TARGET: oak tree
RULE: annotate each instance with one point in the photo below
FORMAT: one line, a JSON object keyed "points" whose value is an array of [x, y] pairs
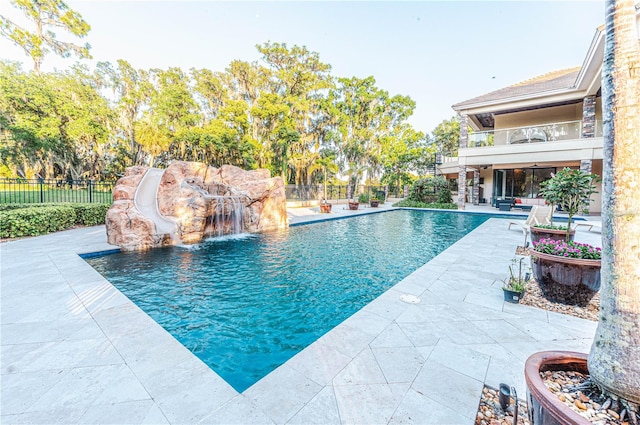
{"points": [[46, 16]]}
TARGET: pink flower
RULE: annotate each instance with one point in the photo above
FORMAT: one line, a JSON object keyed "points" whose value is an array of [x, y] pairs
{"points": [[564, 249]]}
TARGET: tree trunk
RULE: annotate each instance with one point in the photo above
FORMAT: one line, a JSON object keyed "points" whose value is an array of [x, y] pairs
{"points": [[325, 184], [614, 360]]}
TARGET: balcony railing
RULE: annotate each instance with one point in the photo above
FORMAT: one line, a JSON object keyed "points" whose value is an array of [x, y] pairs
{"points": [[553, 132], [448, 159]]}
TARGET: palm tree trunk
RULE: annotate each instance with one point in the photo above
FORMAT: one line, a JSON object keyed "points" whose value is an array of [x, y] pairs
{"points": [[614, 360], [325, 185]]}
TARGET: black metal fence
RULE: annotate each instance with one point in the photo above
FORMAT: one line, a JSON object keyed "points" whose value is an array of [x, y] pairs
{"points": [[316, 192], [31, 191]]}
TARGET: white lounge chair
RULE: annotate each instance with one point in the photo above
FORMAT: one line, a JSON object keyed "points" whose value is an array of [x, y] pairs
{"points": [[594, 226], [539, 214]]}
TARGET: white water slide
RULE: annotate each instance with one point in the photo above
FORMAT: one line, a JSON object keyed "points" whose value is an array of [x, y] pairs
{"points": [[146, 201]]}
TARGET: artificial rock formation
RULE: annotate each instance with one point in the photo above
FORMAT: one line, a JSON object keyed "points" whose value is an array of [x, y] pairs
{"points": [[194, 201]]}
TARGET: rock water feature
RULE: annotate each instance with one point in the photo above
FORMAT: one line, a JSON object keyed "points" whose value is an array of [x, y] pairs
{"points": [[190, 201], [227, 217]]}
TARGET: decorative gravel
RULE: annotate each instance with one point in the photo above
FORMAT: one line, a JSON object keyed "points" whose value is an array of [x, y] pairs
{"points": [[588, 309], [576, 391], [490, 412], [587, 305]]}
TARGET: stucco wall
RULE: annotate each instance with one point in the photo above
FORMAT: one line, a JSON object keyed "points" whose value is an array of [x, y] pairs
{"points": [[557, 114], [596, 203], [540, 116], [487, 175]]}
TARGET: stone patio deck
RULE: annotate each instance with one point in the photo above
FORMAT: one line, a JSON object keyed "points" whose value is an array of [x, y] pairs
{"points": [[75, 350]]}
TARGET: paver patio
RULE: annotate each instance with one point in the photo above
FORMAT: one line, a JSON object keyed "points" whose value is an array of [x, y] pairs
{"points": [[75, 350]]}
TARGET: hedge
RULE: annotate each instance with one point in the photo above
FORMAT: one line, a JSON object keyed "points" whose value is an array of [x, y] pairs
{"points": [[430, 190], [91, 214], [33, 220], [9, 207], [407, 203]]}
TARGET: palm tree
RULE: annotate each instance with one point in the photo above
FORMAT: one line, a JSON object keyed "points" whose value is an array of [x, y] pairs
{"points": [[614, 360], [327, 165]]}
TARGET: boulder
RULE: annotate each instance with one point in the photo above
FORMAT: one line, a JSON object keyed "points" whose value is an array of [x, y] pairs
{"points": [[130, 230], [196, 201], [126, 187]]}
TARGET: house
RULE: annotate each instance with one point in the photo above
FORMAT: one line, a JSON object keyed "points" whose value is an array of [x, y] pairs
{"points": [[514, 138]]}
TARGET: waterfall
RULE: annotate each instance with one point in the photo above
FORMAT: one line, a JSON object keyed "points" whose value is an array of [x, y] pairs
{"points": [[228, 215]]}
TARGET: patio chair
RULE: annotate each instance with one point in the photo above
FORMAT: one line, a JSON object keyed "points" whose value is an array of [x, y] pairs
{"points": [[593, 226], [539, 214]]}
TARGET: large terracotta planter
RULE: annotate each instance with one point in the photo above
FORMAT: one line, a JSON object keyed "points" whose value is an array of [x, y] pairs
{"points": [[353, 205], [374, 203], [325, 208], [538, 233], [544, 407], [555, 270]]}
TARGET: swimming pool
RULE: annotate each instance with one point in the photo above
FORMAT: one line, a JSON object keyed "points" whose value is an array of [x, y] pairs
{"points": [[245, 306]]}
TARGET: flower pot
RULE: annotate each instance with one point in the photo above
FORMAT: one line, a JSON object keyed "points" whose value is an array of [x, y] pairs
{"points": [[555, 270], [544, 406], [325, 208], [353, 205], [374, 203], [512, 296], [538, 233]]}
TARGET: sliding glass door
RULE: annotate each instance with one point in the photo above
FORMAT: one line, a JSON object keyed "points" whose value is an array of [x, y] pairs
{"points": [[519, 182]]}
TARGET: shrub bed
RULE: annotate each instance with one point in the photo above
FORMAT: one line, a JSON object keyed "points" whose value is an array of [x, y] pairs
{"points": [[408, 203], [91, 214], [18, 220], [432, 191], [10, 207]]}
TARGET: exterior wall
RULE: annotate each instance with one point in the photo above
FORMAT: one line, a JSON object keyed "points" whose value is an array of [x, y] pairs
{"points": [[529, 153], [487, 187], [599, 108], [596, 198], [545, 116], [598, 127], [449, 166], [539, 116], [535, 117]]}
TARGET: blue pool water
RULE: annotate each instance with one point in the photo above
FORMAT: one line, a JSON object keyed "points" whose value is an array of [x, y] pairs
{"points": [[245, 306]]}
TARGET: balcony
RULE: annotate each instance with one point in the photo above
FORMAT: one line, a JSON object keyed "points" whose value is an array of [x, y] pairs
{"points": [[553, 132]]}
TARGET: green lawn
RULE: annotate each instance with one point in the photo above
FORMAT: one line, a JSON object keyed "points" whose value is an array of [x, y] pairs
{"points": [[37, 191], [54, 196]]}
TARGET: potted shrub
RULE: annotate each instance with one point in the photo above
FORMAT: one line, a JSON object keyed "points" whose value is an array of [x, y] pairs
{"points": [[572, 189], [327, 164], [362, 198], [551, 231], [562, 268], [516, 284], [544, 406], [325, 207], [374, 201]]}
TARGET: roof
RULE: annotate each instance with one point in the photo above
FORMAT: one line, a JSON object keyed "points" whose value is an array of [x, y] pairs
{"points": [[556, 80]]}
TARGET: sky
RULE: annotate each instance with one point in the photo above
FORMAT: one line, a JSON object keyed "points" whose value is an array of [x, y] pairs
{"points": [[438, 53]]}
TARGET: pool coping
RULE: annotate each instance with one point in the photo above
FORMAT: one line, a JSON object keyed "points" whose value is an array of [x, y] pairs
{"points": [[86, 353]]}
